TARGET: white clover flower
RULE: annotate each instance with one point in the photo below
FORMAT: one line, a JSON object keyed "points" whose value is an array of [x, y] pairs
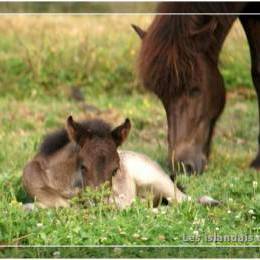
{"points": [[155, 210], [163, 211], [196, 232], [229, 211], [56, 254], [199, 222], [217, 228], [135, 235], [39, 224], [255, 184], [251, 211]]}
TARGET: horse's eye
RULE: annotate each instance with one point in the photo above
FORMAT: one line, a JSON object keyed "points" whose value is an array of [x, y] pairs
{"points": [[114, 172], [194, 92], [83, 168]]}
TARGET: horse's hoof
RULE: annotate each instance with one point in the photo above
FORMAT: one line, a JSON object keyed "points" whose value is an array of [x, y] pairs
{"points": [[256, 163]]}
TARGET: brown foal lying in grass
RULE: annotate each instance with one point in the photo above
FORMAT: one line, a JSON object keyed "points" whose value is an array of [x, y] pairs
{"points": [[85, 154]]}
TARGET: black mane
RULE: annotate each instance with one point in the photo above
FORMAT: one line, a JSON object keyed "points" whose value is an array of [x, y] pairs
{"points": [[58, 139]]}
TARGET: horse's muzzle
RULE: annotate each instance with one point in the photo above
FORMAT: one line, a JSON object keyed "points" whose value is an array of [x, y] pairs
{"points": [[192, 164]]}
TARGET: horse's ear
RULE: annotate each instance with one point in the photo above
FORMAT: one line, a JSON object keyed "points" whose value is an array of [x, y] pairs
{"points": [[141, 33], [72, 129], [75, 131], [120, 133]]}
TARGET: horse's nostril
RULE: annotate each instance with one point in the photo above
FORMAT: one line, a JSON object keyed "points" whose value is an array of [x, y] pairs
{"points": [[189, 168], [189, 162], [185, 167], [200, 163]]}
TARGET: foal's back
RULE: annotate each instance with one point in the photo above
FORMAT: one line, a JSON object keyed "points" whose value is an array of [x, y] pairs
{"points": [[140, 176]]}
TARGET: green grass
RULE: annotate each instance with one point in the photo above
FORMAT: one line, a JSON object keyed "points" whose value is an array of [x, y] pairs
{"points": [[227, 178], [39, 66]]}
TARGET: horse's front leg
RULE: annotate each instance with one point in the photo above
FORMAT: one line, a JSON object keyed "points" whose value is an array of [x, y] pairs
{"points": [[251, 25]]}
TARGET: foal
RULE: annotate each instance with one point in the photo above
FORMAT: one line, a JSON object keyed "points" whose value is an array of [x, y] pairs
{"points": [[139, 176], [83, 154]]}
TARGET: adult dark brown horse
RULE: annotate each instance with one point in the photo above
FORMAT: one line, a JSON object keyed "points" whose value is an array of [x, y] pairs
{"points": [[178, 61]]}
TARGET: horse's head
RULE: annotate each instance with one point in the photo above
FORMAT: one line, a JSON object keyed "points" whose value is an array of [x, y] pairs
{"points": [[192, 93], [191, 115], [98, 158]]}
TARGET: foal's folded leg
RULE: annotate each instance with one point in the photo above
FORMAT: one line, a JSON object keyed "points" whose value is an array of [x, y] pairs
{"points": [[49, 198], [123, 191], [36, 185]]}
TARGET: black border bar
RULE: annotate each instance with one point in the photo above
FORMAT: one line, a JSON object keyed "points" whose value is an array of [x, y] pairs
{"points": [[131, 252], [110, 7]]}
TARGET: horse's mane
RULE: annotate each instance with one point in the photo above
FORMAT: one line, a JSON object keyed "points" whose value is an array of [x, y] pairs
{"points": [[58, 139], [172, 42]]}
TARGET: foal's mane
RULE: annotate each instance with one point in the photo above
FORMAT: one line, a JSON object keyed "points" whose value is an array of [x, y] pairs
{"points": [[58, 139], [172, 42]]}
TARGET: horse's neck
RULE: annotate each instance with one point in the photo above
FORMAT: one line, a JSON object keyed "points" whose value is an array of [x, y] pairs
{"points": [[219, 38]]}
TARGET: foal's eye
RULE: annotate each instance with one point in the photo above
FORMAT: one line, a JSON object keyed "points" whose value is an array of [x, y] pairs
{"points": [[83, 168], [114, 172], [194, 92]]}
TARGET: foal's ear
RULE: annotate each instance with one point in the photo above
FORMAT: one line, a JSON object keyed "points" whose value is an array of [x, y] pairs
{"points": [[141, 33], [121, 132], [75, 131]]}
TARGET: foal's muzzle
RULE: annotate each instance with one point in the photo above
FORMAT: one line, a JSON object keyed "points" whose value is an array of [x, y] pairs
{"points": [[78, 184]]}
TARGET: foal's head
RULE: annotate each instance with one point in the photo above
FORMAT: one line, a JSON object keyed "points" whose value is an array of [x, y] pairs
{"points": [[178, 63], [98, 158]]}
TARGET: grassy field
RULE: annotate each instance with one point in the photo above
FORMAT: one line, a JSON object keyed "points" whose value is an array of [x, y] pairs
{"points": [[42, 58]]}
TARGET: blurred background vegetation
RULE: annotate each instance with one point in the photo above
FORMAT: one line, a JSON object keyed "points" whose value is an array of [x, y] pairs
{"points": [[78, 7], [47, 55]]}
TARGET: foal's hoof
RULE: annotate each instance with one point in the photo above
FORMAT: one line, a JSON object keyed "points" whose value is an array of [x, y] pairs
{"points": [[29, 206], [208, 201], [256, 163]]}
